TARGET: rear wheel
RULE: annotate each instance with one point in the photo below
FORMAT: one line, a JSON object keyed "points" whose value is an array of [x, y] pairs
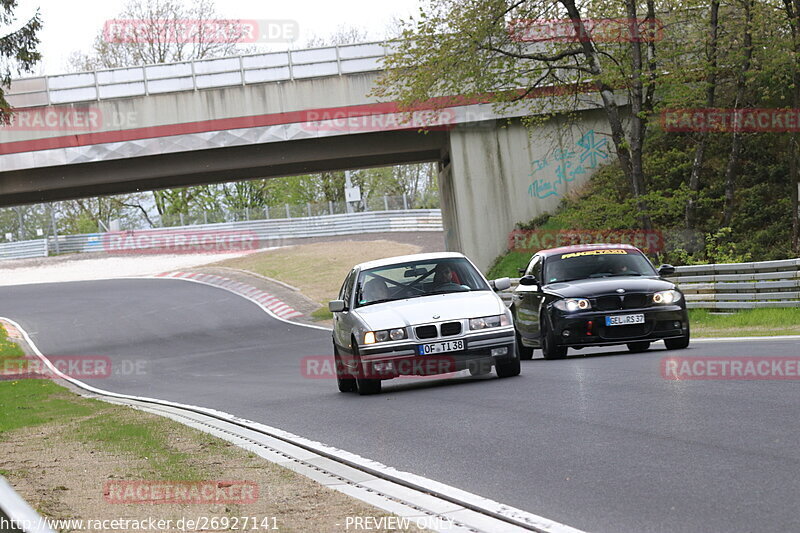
{"points": [[363, 385], [550, 350], [637, 347], [344, 380], [525, 353]]}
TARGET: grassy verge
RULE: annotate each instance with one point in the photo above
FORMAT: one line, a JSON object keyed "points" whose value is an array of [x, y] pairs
{"points": [[60, 450], [745, 323]]}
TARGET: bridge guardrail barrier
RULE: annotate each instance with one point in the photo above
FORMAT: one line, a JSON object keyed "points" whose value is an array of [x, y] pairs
{"points": [[732, 286], [198, 74]]}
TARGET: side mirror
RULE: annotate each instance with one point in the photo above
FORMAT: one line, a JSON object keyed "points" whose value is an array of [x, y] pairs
{"points": [[501, 284], [336, 306], [666, 270], [528, 280]]}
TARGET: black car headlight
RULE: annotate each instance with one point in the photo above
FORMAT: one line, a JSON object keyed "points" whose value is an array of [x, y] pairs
{"points": [[666, 297], [570, 305], [486, 322], [396, 334]]}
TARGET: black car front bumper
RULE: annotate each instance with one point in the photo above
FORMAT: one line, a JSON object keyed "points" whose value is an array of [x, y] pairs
{"points": [[588, 328]]}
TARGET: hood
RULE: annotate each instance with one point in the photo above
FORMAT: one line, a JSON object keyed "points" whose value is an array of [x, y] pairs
{"points": [[588, 288], [413, 311]]}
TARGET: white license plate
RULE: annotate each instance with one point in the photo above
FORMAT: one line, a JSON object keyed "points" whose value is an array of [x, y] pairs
{"points": [[624, 320], [440, 347]]}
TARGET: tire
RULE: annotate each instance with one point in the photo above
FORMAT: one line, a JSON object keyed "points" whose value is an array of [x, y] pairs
{"points": [[549, 348], [637, 347], [345, 384], [508, 369], [364, 386], [678, 343], [480, 368], [525, 353]]}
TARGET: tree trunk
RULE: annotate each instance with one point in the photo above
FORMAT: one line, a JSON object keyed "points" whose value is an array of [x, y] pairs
{"points": [[711, 81], [630, 159], [732, 168]]}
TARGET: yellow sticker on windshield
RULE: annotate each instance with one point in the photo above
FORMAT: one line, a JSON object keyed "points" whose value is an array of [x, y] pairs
{"points": [[594, 252]]}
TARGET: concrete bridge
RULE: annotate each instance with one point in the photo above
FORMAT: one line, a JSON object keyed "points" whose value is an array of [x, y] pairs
{"points": [[278, 114]]}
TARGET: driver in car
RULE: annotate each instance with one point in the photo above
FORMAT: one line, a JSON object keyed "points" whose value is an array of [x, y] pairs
{"points": [[444, 275], [374, 290]]}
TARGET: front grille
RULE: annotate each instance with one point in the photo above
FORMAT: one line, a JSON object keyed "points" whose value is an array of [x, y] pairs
{"points": [[608, 303], [623, 301], [426, 332], [634, 301], [450, 328]]}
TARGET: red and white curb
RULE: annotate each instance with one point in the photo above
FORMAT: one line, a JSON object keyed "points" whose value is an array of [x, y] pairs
{"points": [[269, 301]]}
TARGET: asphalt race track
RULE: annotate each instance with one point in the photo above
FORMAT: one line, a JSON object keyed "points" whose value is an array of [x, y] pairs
{"points": [[599, 441]]}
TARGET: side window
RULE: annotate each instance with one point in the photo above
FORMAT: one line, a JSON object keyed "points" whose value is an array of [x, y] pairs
{"points": [[535, 267], [347, 288]]}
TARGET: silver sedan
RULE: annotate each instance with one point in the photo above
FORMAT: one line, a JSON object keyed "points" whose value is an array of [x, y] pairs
{"points": [[424, 314]]}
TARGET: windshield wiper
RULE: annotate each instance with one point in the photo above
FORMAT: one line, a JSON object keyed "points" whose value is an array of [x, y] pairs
{"points": [[623, 274], [382, 300]]}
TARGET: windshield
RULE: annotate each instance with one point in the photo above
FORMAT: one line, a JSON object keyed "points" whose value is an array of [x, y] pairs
{"points": [[419, 278], [602, 263]]}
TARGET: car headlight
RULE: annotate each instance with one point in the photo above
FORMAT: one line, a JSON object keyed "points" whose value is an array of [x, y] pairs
{"points": [[666, 297], [494, 321], [571, 305], [396, 334]]}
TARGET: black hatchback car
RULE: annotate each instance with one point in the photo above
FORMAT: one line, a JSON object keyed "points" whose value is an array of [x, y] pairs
{"points": [[596, 295]]}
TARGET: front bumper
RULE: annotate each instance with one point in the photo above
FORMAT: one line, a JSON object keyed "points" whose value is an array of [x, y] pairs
{"points": [[385, 361], [588, 328]]}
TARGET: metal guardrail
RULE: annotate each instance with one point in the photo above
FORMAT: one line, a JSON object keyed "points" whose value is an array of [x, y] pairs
{"points": [[198, 74], [741, 285], [16, 515], [269, 232], [732, 285], [23, 249]]}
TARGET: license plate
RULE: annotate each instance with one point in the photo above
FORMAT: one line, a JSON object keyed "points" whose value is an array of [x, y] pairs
{"points": [[440, 347], [624, 320]]}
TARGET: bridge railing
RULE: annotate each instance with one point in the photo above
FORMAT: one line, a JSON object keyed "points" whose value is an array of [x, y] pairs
{"points": [[197, 74], [732, 285]]}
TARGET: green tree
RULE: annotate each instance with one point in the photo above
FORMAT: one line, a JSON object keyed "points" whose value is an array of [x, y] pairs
{"points": [[18, 52]]}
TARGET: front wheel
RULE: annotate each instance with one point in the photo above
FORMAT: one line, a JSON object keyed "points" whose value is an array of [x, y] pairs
{"points": [[637, 347], [344, 380], [678, 343], [550, 350], [364, 385], [508, 369]]}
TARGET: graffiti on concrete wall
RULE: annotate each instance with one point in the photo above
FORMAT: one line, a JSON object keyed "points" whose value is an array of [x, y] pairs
{"points": [[552, 174]]}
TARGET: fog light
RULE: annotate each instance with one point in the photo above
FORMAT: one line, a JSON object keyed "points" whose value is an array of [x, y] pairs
{"points": [[382, 367], [565, 333], [499, 351], [677, 324]]}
